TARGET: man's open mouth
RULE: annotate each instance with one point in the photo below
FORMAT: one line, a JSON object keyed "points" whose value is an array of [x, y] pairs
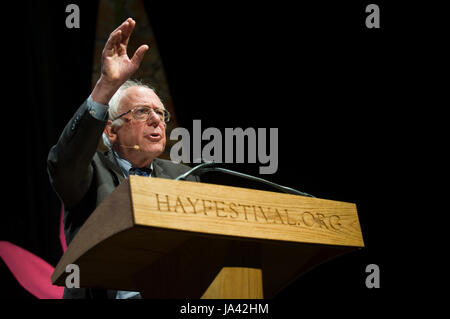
{"points": [[154, 137]]}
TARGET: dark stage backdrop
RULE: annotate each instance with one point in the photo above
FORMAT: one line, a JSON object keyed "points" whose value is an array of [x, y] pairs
{"points": [[312, 70], [48, 69]]}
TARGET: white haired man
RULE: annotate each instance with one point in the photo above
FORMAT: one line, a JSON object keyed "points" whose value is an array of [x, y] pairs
{"points": [[133, 119]]}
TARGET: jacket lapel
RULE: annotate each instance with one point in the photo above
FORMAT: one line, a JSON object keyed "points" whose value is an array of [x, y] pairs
{"points": [[110, 161], [159, 170]]}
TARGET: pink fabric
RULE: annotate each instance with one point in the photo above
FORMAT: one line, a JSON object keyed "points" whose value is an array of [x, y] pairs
{"points": [[31, 272], [62, 237]]}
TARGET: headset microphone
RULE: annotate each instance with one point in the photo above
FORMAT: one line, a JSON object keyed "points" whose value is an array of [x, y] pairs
{"points": [[134, 147]]}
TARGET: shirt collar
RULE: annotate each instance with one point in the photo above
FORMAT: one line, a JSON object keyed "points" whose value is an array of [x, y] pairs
{"points": [[125, 165]]}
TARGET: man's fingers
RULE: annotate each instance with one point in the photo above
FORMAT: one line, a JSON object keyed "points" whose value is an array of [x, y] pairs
{"points": [[127, 30], [123, 25], [114, 40], [139, 55], [118, 39]]}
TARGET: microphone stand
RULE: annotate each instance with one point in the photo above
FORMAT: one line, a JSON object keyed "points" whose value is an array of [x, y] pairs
{"points": [[210, 167]]}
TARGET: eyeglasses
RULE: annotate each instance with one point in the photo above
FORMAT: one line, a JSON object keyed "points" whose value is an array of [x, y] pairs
{"points": [[142, 113]]}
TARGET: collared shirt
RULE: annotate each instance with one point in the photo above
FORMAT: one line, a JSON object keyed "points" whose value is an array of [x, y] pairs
{"points": [[125, 165]]}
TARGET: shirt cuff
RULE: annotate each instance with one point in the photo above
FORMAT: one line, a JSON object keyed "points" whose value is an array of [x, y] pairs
{"points": [[97, 110]]}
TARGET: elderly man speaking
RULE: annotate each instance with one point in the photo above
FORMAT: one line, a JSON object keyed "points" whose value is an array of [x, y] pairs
{"points": [[132, 119]]}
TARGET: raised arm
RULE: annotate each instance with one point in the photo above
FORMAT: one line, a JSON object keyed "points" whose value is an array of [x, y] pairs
{"points": [[69, 161]]}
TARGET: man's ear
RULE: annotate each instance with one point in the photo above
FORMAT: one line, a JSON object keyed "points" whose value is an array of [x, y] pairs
{"points": [[110, 132]]}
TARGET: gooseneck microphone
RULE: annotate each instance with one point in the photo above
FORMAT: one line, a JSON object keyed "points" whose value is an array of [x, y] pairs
{"points": [[211, 167]]}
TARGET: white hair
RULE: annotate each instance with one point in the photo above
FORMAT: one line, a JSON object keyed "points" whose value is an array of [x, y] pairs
{"points": [[113, 111], [115, 100]]}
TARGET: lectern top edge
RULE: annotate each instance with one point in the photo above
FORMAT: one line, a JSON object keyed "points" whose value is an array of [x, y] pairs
{"points": [[239, 212]]}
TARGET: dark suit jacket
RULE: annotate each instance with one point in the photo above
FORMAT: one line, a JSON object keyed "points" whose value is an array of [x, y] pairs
{"points": [[83, 177]]}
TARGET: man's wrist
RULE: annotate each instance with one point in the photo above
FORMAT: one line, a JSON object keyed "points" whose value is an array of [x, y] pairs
{"points": [[104, 90]]}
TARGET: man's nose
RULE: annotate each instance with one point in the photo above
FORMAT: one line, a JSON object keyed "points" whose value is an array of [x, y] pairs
{"points": [[153, 118]]}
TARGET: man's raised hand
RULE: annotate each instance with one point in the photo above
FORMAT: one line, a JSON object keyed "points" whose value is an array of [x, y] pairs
{"points": [[117, 67]]}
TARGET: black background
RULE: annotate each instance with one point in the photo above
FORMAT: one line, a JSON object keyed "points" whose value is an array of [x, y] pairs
{"points": [[335, 89]]}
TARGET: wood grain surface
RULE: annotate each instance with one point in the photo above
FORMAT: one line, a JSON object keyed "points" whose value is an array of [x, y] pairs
{"points": [[224, 210]]}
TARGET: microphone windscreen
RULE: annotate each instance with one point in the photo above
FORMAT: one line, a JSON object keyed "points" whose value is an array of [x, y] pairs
{"points": [[135, 147]]}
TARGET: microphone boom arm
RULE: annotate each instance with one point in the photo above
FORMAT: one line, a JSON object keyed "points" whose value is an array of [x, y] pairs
{"points": [[209, 167]]}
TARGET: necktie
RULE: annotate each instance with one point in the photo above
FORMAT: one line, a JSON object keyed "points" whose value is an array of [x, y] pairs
{"points": [[144, 171]]}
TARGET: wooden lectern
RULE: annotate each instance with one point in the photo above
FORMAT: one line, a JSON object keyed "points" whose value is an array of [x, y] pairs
{"points": [[180, 239]]}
